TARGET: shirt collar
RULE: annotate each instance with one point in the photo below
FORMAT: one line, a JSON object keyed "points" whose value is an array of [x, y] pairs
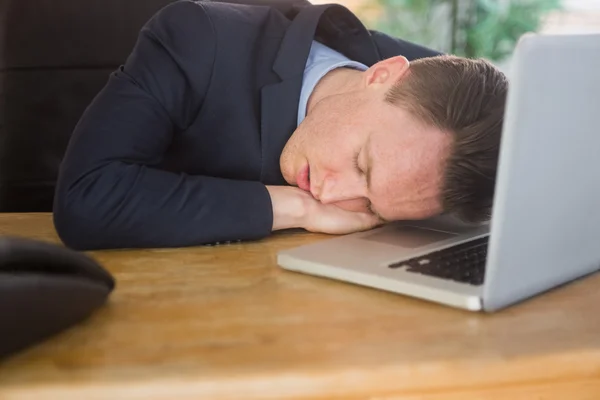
{"points": [[321, 60]]}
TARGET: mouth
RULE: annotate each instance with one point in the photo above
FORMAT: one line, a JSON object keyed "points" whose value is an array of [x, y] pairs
{"points": [[303, 178]]}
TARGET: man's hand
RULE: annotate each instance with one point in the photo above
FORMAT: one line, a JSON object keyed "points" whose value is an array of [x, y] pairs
{"points": [[295, 208], [329, 218]]}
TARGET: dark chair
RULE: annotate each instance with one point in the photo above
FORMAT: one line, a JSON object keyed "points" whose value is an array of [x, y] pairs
{"points": [[55, 55]]}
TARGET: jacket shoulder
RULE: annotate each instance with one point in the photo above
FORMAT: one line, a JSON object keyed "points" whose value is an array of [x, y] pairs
{"points": [[178, 11], [181, 27], [390, 46]]}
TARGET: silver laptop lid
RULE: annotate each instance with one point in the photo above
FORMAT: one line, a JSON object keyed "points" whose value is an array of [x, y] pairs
{"points": [[545, 227]]}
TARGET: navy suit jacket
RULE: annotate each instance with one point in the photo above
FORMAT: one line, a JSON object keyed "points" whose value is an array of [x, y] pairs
{"points": [[177, 148]]}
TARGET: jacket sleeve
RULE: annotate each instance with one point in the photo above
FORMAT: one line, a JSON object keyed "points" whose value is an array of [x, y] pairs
{"points": [[109, 195]]}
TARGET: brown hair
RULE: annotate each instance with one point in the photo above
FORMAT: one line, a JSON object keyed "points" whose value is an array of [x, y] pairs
{"points": [[465, 97]]}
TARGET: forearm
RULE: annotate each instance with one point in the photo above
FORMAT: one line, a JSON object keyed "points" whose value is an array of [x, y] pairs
{"points": [[132, 206]]}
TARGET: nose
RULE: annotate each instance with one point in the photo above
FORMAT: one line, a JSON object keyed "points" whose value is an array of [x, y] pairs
{"points": [[336, 190]]}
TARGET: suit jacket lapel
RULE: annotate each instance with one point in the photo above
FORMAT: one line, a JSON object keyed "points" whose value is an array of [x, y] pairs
{"points": [[339, 29], [279, 100]]}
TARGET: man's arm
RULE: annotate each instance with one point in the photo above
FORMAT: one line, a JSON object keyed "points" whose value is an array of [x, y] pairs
{"points": [[109, 195]]}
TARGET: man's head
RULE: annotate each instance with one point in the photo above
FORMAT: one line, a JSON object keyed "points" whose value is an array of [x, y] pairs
{"points": [[405, 140]]}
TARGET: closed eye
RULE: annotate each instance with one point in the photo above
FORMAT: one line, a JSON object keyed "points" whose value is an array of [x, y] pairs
{"points": [[356, 166], [375, 213], [370, 208]]}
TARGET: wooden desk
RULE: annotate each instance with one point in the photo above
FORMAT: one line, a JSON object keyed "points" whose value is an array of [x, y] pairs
{"points": [[226, 323]]}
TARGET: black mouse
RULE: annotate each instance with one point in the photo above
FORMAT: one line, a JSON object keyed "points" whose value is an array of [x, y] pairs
{"points": [[45, 289]]}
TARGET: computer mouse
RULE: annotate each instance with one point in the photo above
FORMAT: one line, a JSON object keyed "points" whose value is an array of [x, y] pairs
{"points": [[45, 289]]}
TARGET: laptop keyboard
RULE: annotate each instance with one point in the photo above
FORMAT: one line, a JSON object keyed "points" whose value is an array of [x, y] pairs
{"points": [[462, 263]]}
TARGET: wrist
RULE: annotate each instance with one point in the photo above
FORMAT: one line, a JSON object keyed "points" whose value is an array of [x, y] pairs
{"points": [[289, 207]]}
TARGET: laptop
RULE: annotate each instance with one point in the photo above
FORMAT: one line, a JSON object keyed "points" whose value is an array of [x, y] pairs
{"points": [[544, 229]]}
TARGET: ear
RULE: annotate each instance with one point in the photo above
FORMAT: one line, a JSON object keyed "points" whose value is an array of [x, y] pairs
{"points": [[387, 72]]}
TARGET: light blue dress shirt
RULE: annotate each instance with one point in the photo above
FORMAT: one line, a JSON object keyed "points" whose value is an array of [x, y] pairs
{"points": [[321, 60]]}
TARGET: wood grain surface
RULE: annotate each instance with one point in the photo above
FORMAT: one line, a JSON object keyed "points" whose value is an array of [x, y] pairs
{"points": [[227, 323]]}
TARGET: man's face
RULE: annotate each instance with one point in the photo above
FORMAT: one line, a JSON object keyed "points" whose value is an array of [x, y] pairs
{"points": [[361, 153]]}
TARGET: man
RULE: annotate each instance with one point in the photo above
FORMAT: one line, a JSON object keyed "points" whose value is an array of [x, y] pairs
{"points": [[230, 121]]}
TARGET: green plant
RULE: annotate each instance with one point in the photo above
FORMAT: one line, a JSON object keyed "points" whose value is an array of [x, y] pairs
{"points": [[470, 28], [495, 31], [407, 19]]}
